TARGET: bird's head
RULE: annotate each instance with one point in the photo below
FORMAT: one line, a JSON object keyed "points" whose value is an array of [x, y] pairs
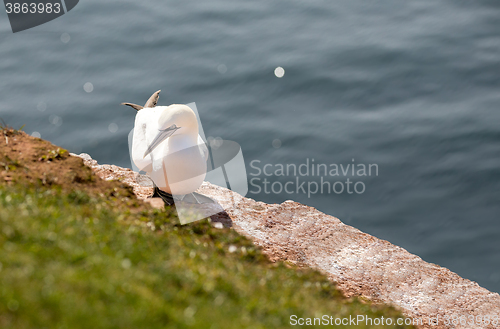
{"points": [[180, 116], [175, 120]]}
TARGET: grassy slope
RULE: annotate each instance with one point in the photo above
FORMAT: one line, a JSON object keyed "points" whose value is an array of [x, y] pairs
{"points": [[78, 252]]}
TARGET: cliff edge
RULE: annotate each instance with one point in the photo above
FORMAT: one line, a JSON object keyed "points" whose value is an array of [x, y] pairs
{"points": [[360, 264]]}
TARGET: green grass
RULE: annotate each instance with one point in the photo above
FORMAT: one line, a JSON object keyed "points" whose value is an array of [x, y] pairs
{"points": [[69, 260], [79, 252]]}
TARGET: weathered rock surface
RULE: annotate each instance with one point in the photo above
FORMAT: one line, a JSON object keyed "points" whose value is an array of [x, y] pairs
{"points": [[360, 264]]}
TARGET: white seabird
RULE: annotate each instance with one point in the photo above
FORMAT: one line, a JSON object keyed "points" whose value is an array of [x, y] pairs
{"points": [[167, 146]]}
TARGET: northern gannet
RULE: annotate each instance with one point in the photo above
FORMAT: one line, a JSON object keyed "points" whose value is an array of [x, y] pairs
{"points": [[167, 146]]}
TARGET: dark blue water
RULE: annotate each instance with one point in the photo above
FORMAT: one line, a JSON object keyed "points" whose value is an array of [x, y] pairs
{"points": [[411, 86]]}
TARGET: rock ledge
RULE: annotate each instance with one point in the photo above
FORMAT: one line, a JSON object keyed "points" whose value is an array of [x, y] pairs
{"points": [[360, 264]]}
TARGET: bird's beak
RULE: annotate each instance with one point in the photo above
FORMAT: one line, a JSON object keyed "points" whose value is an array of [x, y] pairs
{"points": [[160, 137]]}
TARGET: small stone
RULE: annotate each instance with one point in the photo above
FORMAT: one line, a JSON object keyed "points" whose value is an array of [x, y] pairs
{"points": [[155, 202]]}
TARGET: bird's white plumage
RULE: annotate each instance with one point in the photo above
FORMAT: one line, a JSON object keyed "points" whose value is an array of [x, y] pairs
{"points": [[177, 165]]}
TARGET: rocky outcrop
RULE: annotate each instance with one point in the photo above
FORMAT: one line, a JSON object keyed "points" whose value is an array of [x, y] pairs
{"points": [[360, 264]]}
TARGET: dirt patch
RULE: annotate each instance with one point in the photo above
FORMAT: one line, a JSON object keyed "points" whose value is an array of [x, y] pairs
{"points": [[33, 162]]}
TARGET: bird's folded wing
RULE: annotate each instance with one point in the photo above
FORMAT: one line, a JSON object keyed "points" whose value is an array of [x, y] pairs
{"points": [[143, 123]]}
